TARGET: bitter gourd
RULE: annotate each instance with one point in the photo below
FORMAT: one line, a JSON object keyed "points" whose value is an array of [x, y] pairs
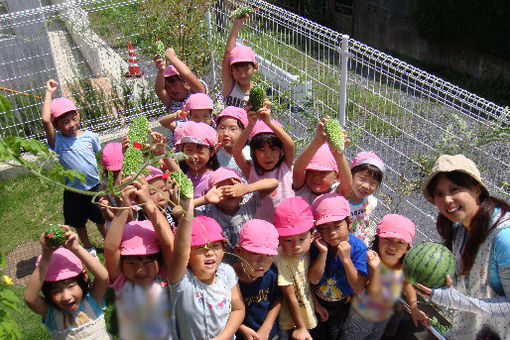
{"points": [[185, 184], [256, 99], [335, 134], [160, 49], [241, 12], [55, 235]]}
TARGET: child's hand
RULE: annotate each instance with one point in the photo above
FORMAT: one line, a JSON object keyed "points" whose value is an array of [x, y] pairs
{"points": [[344, 249], [125, 144], [320, 310], [170, 53], [419, 316], [71, 242], [160, 63], [264, 114], [142, 193], [373, 259], [241, 20], [181, 114], [248, 333], [321, 135], [158, 145], [301, 334], [234, 191], [252, 116], [47, 248], [214, 195], [51, 86], [319, 242]]}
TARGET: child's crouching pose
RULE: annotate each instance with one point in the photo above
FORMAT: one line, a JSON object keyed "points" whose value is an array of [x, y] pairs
{"points": [[207, 302], [339, 264], [258, 245], [137, 256], [294, 220], [372, 309], [70, 308]]}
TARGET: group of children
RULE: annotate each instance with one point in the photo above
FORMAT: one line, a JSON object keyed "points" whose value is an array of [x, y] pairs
{"points": [[295, 232]]}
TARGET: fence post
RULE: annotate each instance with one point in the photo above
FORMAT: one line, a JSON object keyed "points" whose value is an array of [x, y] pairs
{"points": [[344, 58], [209, 30]]}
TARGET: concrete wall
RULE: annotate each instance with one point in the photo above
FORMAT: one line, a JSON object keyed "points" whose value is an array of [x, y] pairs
{"points": [[386, 25]]}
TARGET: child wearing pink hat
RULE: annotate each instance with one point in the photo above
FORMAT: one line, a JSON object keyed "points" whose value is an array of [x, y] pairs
{"points": [[339, 264], [138, 255], [229, 125], [198, 142], [176, 82], [198, 108], [367, 171], [238, 67], [76, 150], [112, 159], [257, 248], [321, 168], [293, 220], [70, 306], [372, 309], [272, 156], [231, 202], [207, 302]]}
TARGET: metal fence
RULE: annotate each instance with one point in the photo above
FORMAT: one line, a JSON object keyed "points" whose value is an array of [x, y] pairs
{"points": [[405, 115]]}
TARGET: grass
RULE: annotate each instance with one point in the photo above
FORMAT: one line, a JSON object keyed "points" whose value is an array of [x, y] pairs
{"points": [[28, 205]]}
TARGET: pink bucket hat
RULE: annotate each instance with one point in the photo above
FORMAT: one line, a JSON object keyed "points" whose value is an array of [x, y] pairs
{"points": [[199, 101], [112, 156], [139, 238], [59, 106], [234, 112], [171, 71], [223, 173], [260, 237], [241, 54], [154, 173], [396, 226], [330, 207], [293, 216], [368, 158], [323, 160], [64, 265], [205, 230], [198, 133], [261, 127]]}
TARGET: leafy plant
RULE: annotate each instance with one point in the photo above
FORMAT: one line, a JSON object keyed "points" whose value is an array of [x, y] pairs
{"points": [[8, 300]]}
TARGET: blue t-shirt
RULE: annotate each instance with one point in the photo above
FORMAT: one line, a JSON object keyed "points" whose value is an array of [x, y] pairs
{"points": [[258, 297], [333, 285], [79, 153]]}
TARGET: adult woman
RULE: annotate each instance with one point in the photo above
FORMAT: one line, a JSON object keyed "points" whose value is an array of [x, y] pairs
{"points": [[476, 227]]}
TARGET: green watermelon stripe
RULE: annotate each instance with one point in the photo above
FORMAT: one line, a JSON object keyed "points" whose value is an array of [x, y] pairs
{"points": [[428, 263]]}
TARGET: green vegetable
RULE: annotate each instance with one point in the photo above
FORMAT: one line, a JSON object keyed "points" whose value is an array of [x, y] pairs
{"points": [[139, 130], [55, 235], [133, 160], [185, 184], [160, 49], [241, 12], [335, 134], [256, 99], [434, 322]]}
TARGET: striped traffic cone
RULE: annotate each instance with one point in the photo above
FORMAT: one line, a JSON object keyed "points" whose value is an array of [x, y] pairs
{"points": [[134, 69]]}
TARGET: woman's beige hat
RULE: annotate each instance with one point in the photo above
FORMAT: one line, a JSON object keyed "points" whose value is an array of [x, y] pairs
{"points": [[449, 163]]}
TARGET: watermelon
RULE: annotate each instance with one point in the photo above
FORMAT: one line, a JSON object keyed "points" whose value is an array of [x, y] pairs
{"points": [[428, 263]]}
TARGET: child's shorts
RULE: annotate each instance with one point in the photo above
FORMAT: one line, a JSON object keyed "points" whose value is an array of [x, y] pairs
{"points": [[78, 208]]}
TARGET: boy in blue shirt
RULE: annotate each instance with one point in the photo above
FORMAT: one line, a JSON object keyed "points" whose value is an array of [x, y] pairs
{"points": [[76, 150]]}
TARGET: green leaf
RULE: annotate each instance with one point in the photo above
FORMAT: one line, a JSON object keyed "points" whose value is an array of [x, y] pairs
{"points": [[34, 146], [8, 295], [5, 106]]}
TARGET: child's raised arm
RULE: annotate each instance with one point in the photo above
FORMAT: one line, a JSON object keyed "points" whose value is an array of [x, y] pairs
{"points": [[374, 280], [182, 246], [344, 171], [159, 83], [237, 148], [318, 265], [32, 296], [354, 277], [196, 86], [51, 87], [264, 115], [226, 73], [263, 186], [236, 314]]}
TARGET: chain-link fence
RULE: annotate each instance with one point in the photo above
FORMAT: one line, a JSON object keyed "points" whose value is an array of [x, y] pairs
{"points": [[405, 115]]}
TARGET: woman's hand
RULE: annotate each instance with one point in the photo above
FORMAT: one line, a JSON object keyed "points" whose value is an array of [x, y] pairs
{"points": [[426, 291]]}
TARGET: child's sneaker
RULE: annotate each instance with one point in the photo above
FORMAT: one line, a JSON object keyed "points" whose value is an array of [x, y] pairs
{"points": [[92, 251]]}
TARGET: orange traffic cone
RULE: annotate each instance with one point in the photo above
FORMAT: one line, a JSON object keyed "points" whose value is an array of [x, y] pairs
{"points": [[134, 69]]}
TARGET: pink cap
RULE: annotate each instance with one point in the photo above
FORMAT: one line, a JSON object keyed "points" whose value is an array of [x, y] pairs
{"points": [[242, 54], [368, 158], [234, 112], [261, 127], [223, 173], [396, 226], [59, 106], [198, 133], [112, 156], [153, 173], [260, 237], [199, 101], [64, 265], [205, 230], [293, 216], [330, 207], [323, 160], [171, 71], [139, 238]]}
